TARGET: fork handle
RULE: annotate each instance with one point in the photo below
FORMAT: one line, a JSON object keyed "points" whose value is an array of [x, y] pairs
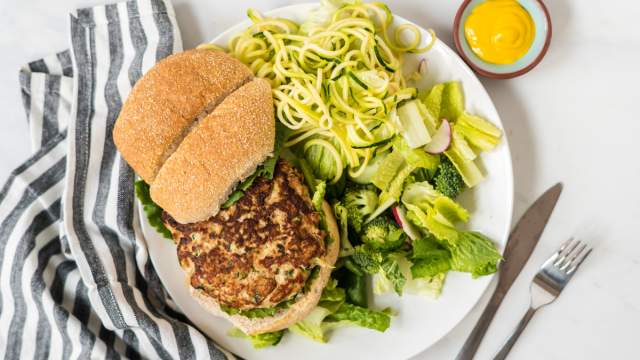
{"points": [[504, 351]]}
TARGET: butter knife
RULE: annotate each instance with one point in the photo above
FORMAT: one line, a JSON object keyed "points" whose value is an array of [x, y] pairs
{"points": [[522, 240]]}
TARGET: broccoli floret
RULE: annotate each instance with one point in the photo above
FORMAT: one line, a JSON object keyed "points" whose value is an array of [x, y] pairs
{"points": [[382, 233], [360, 201], [368, 259], [448, 181]]}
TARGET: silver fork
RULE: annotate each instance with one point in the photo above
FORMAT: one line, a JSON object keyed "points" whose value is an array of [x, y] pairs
{"points": [[548, 283]]}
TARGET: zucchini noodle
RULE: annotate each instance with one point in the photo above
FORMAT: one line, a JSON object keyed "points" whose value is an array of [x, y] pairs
{"points": [[335, 78]]}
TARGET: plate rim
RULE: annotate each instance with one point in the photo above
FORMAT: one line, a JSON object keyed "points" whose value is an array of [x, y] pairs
{"points": [[302, 7]]}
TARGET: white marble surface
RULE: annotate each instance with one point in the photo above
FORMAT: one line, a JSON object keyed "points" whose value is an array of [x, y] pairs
{"points": [[573, 119]]}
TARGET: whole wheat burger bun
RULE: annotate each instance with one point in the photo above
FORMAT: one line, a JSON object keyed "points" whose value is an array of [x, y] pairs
{"points": [[221, 150], [296, 311], [164, 104]]}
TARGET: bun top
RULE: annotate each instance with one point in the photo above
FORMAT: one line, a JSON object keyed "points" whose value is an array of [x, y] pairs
{"points": [[193, 126], [222, 149], [165, 103]]}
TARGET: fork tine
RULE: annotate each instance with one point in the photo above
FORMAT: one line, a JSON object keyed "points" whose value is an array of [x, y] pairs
{"points": [[564, 245], [565, 250], [573, 256], [578, 262]]}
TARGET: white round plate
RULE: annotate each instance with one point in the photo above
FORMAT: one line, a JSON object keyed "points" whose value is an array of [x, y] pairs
{"points": [[420, 321]]}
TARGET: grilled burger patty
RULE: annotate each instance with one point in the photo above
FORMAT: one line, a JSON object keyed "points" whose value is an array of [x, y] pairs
{"points": [[260, 251]]}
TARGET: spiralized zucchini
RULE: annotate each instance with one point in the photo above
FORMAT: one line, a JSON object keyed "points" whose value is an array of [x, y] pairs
{"points": [[335, 79]]}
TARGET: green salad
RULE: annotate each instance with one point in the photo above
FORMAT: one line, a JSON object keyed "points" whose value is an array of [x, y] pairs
{"points": [[390, 158]]}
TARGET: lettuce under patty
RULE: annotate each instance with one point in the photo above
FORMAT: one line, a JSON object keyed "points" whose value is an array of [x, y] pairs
{"points": [[151, 209], [264, 170]]}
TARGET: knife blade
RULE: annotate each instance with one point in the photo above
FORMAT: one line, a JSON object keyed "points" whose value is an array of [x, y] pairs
{"points": [[522, 240]]}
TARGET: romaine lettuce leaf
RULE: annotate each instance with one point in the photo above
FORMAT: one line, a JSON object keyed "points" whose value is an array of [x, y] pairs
{"points": [[332, 296], [432, 203], [318, 195], [471, 174], [412, 124], [461, 146], [480, 140], [390, 167], [416, 158], [151, 210], [258, 341], [426, 286], [391, 271], [311, 325], [474, 253], [436, 262], [450, 210], [349, 314], [452, 105], [479, 124], [429, 258], [433, 99]]}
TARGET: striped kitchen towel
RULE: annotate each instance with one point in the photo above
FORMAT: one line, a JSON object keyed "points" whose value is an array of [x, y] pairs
{"points": [[75, 276]]}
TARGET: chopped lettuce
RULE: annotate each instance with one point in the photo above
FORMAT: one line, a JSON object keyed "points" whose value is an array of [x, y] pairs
{"points": [[452, 104], [151, 210], [428, 221], [390, 167], [349, 315], [391, 271], [425, 286], [367, 175], [395, 169], [413, 128], [258, 341], [479, 124], [416, 158], [433, 99], [474, 253], [471, 174], [478, 132], [461, 146], [333, 312], [332, 296], [312, 325], [432, 203], [318, 195], [429, 258]]}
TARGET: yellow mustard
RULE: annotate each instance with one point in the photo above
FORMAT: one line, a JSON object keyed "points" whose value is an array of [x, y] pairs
{"points": [[499, 31]]}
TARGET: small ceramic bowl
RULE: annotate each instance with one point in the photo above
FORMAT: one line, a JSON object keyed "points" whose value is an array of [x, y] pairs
{"points": [[535, 54]]}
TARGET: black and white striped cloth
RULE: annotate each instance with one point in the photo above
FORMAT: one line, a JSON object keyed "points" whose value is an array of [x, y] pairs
{"points": [[75, 276]]}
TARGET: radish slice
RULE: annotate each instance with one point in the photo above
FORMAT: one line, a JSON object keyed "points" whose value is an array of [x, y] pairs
{"points": [[401, 218], [441, 139]]}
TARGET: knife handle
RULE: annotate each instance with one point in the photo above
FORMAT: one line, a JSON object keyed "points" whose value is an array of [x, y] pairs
{"points": [[470, 346]]}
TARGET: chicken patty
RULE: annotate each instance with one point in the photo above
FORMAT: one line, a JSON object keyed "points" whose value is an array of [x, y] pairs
{"points": [[260, 251]]}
